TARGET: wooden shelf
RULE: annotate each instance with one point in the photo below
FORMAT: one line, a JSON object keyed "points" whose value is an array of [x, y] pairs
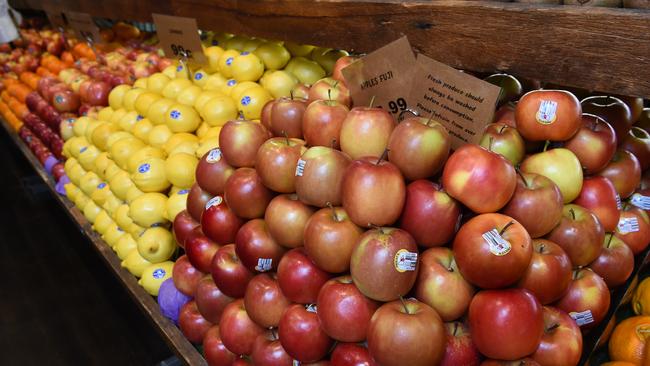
{"points": [[172, 335], [603, 49]]}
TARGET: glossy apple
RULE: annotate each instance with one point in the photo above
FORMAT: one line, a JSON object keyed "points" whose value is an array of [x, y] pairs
{"points": [[286, 117], [192, 324], [256, 248], [276, 163], [548, 115], [612, 110], [268, 351], [246, 195], [536, 204], [594, 144], [351, 354], [384, 263], [624, 171], [183, 226], [286, 217], [526, 361], [419, 147], [497, 261], [301, 335], [329, 238], [441, 286], [200, 250], [506, 324], [229, 273], [340, 64], [265, 301], [239, 141], [460, 349], [186, 277], [504, 140], [549, 272], [559, 165], [562, 340], [373, 192], [196, 200], [587, 296], [599, 196], [210, 300], [238, 331], [299, 278], [344, 312], [637, 141], [634, 229], [329, 89], [373, 126], [219, 222], [322, 122], [615, 263], [406, 332], [472, 171], [319, 176], [580, 234], [214, 351], [213, 171]]}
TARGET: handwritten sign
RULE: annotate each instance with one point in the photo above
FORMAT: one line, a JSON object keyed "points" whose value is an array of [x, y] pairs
{"points": [[462, 103], [179, 37], [84, 26]]}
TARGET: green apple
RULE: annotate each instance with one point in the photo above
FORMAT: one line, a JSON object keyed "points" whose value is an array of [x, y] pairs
{"points": [[307, 71], [299, 49], [273, 55]]}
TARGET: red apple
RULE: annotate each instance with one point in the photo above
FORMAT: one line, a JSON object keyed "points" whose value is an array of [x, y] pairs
{"points": [[559, 165], [549, 272], [216, 354], [97, 93], [212, 172], [441, 286], [599, 195], [548, 115], [301, 335], [344, 312], [264, 300], [229, 273], [594, 144], [322, 122], [340, 64], [537, 204], [506, 324], [587, 299], [183, 225], [615, 263], [268, 351], [472, 171], [406, 332], [329, 89], [200, 250], [66, 101], [373, 192], [526, 361], [265, 118], [196, 200], [210, 300], [634, 229], [430, 215], [351, 354], [276, 163], [505, 141], [384, 263], [286, 218], [299, 278], [637, 141], [192, 324], [319, 176], [612, 110], [580, 234], [238, 331], [492, 250], [562, 340], [286, 117], [246, 195], [186, 277], [366, 131], [256, 247], [239, 141], [219, 222], [329, 238], [460, 349]]}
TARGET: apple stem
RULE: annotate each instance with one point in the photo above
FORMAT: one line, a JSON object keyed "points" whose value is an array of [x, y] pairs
{"points": [[372, 101], [286, 137], [274, 333], [335, 217], [611, 236], [376, 227], [521, 175], [541, 248], [333, 143], [552, 327], [455, 329], [548, 142], [502, 128], [573, 214], [406, 309], [506, 227], [490, 143], [329, 94], [575, 273], [383, 156], [291, 94], [430, 119]]}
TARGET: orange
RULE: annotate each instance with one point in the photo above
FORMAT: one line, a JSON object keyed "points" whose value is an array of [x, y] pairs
{"points": [[628, 340], [641, 298], [618, 363], [67, 58]]}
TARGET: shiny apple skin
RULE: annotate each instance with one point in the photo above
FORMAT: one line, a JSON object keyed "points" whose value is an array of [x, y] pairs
{"points": [[565, 124], [214, 351], [559, 165], [351, 354], [322, 122], [210, 300], [185, 276], [615, 263], [460, 349], [472, 171], [549, 273], [637, 240], [373, 126], [246, 195], [624, 171], [196, 200], [299, 278], [301, 335], [238, 331], [587, 291], [192, 324], [599, 195], [594, 144], [265, 301], [183, 225], [611, 109], [637, 141], [506, 324], [239, 141], [562, 340], [286, 117], [219, 223], [211, 175], [200, 250], [580, 237], [254, 242], [229, 273], [321, 180], [276, 163], [504, 140], [267, 351], [286, 217]]}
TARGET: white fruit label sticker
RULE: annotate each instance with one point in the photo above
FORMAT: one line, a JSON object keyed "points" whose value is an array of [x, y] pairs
{"points": [[295, 363], [214, 201], [300, 168], [405, 260], [498, 245], [312, 308], [264, 264], [619, 205], [546, 114], [213, 156], [628, 225], [583, 317], [641, 201]]}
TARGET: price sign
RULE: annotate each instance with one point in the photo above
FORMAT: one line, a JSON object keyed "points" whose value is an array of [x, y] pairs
{"points": [[54, 15], [383, 76], [179, 37], [84, 26]]}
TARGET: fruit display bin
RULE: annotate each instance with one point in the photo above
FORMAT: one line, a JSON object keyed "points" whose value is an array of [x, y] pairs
{"points": [[594, 48], [176, 341]]}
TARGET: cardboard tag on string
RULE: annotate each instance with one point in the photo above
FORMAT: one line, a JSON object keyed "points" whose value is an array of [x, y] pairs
{"points": [[179, 37], [385, 75], [463, 103], [84, 26]]}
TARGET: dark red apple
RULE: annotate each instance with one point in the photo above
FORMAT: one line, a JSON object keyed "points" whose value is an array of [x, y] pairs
{"points": [[460, 349], [594, 144], [200, 250], [612, 110], [238, 331], [183, 225], [186, 277], [210, 300], [299, 278], [351, 354], [599, 196], [286, 217], [219, 222], [549, 272], [580, 234], [637, 141], [301, 335], [265, 301], [562, 340], [197, 198], [615, 263], [246, 195], [268, 351], [216, 354], [212, 172], [256, 247], [587, 300], [286, 117], [192, 324], [229, 273]]}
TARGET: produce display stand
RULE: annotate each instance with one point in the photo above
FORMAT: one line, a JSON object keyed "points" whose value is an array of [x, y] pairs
{"points": [[603, 49], [176, 341]]}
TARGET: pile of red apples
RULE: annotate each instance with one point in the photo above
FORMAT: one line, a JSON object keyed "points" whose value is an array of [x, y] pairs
{"points": [[337, 236]]}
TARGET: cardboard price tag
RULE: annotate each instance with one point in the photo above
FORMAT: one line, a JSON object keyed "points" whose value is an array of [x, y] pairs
{"points": [[385, 75], [84, 26], [179, 37], [54, 15], [462, 103]]}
